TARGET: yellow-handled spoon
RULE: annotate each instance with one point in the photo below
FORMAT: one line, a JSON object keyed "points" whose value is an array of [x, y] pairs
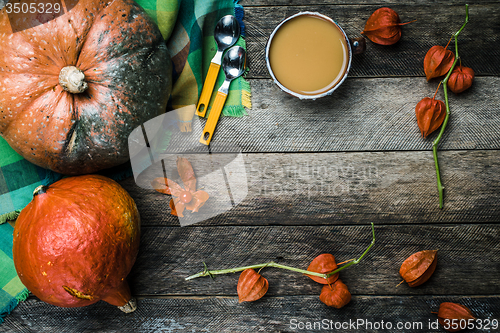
{"points": [[234, 65], [227, 32]]}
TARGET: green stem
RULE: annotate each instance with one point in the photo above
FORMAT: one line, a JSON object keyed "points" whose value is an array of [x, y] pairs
{"points": [[445, 122], [354, 262], [206, 272]]}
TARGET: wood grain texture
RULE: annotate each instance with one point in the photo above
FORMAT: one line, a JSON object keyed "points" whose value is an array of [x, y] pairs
{"points": [[347, 188], [434, 26], [267, 3], [468, 258], [362, 115], [216, 314]]}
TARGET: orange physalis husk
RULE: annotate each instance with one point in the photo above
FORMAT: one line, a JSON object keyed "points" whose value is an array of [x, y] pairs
{"points": [[251, 286], [430, 114], [438, 61], [183, 198], [460, 79], [383, 27], [448, 310], [336, 294], [419, 267], [324, 263], [185, 170]]}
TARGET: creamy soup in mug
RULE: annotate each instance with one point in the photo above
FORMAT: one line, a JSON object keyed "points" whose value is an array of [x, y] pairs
{"points": [[308, 54]]}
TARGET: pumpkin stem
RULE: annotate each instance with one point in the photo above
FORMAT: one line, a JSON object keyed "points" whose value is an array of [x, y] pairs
{"points": [[131, 306], [40, 190], [72, 80]]}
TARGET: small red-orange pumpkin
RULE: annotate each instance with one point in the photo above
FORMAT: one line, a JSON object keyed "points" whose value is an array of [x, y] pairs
{"points": [[73, 87], [76, 242]]}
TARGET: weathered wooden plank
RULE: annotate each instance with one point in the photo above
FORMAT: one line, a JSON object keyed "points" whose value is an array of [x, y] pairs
{"points": [[434, 26], [270, 314], [363, 114], [266, 3], [344, 188], [468, 258]]}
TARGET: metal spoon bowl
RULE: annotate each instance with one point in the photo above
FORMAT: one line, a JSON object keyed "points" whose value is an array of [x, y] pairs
{"points": [[234, 65], [226, 33]]}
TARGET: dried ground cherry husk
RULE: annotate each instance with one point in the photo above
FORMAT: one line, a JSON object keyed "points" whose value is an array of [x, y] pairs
{"points": [[336, 295], [251, 286], [383, 26], [451, 311], [419, 267], [430, 114], [324, 263], [438, 61], [460, 79], [183, 198]]}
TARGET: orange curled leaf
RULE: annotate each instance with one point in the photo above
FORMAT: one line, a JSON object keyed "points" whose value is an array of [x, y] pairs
{"points": [[185, 170], [166, 186], [460, 79], [251, 286], [176, 207], [430, 115], [418, 267], [438, 61], [383, 26], [451, 311], [336, 295], [198, 200], [324, 263]]}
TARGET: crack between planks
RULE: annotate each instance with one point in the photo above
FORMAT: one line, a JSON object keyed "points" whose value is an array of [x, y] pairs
{"points": [[367, 151], [440, 224], [198, 297]]}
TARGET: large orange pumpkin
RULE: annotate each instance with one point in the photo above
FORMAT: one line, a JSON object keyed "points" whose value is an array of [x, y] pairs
{"points": [[76, 241], [73, 87]]}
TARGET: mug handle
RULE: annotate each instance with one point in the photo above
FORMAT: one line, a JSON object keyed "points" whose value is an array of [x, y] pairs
{"points": [[358, 45]]}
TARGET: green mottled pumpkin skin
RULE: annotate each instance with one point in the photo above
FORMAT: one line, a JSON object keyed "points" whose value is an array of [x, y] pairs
{"points": [[76, 242], [127, 68]]}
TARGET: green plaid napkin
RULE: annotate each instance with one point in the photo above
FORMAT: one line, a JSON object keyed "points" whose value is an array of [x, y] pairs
{"points": [[188, 27], [12, 291], [192, 47], [18, 179]]}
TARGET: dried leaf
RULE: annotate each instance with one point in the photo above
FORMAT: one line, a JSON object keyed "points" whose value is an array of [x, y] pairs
{"points": [[448, 310], [185, 170], [251, 286], [460, 79], [336, 295], [438, 61], [184, 198], [419, 267], [324, 263], [383, 27], [199, 199], [430, 115], [176, 207], [160, 185]]}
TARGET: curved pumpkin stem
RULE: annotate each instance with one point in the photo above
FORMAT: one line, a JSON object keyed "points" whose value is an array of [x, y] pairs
{"points": [[40, 190]]}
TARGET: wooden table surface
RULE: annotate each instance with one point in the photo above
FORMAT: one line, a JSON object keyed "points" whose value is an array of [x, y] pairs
{"points": [[318, 173]]}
